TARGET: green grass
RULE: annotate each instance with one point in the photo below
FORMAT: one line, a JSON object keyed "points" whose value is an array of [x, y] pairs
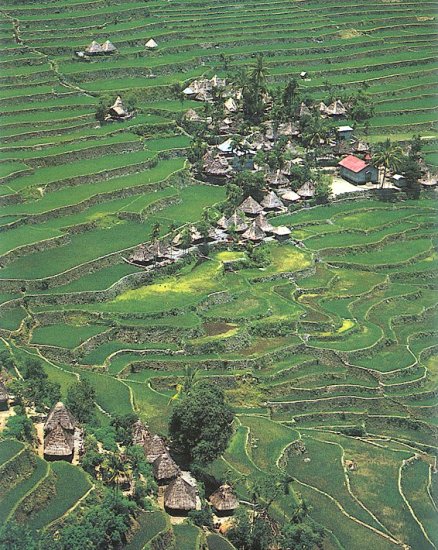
{"points": [[150, 524], [8, 449], [187, 536], [65, 336]]}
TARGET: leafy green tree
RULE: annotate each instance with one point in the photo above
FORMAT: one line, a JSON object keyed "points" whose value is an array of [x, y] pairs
{"points": [[323, 188], [81, 401], [250, 183], [361, 107], [302, 536], [201, 423], [387, 156], [14, 536], [20, 427], [123, 425], [250, 533], [35, 388]]}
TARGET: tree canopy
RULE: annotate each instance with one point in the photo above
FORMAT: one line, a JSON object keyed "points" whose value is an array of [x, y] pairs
{"points": [[201, 423]]}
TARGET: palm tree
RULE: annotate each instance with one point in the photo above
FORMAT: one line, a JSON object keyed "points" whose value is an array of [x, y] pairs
{"points": [[258, 74], [191, 376], [387, 156]]}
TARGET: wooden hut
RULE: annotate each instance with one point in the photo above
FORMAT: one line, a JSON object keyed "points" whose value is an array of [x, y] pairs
{"points": [[224, 501], [288, 129], [192, 116], [231, 105], [164, 468], [307, 191], [151, 44], [323, 109], [358, 171], [140, 433], [108, 47], [276, 179], [281, 233], [237, 222], [250, 207], [288, 196], [153, 448], [4, 397], [94, 49], [222, 222], [142, 256], [180, 496], [263, 223], [60, 416], [345, 132], [59, 444], [272, 202], [336, 109], [254, 233], [215, 166], [117, 111]]}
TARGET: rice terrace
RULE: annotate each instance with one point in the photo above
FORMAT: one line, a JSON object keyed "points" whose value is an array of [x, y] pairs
{"points": [[218, 275]]}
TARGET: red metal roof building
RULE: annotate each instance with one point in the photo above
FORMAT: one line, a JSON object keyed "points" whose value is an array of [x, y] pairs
{"points": [[356, 170]]}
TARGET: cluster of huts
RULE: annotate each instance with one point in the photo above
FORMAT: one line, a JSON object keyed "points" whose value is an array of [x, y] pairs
{"points": [[248, 223], [62, 434], [95, 49], [178, 487]]}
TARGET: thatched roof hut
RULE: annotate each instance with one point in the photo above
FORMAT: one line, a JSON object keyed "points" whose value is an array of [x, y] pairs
{"points": [[222, 222], [290, 196], [142, 255], [180, 496], [272, 202], [361, 147], [215, 166], [59, 443], [192, 116], [165, 468], [108, 47], [118, 110], [4, 396], [60, 416], [251, 207], [237, 222], [224, 500], [263, 223], [276, 179], [94, 48], [153, 448], [151, 44], [140, 433], [231, 105], [336, 109], [288, 129], [323, 108], [281, 232], [304, 110], [254, 233], [307, 191]]}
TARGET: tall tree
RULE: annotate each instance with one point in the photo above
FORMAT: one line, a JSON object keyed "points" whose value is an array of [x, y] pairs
{"points": [[387, 156], [201, 423]]}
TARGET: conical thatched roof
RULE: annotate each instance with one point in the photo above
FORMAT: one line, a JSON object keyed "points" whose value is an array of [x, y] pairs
{"points": [[336, 109], [281, 231], [250, 206], [142, 255], [288, 129], [60, 416], [254, 233], [307, 190], [224, 499], [140, 433], [230, 105], [108, 47], [118, 107], [361, 147], [180, 495], [59, 442], [222, 222], [151, 44], [159, 250], [94, 47], [304, 110], [263, 223], [153, 448], [165, 467], [276, 179], [290, 196], [237, 221], [271, 201], [215, 166], [192, 116], [323, 108]]}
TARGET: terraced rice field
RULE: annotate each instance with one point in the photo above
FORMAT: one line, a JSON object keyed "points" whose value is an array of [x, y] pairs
{"points": [[329, 338]]}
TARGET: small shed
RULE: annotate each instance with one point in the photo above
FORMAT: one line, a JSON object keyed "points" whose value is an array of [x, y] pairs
{"points": [[215, 166], [231, 105], [303, 75], [180, 496], [250, 207], [336, 109], [358, 171], [345, 132], [59, 444], [224, 501], [117, 111], [272, 202], [154, 448], [281, 233], [289, 196], [323, 109], [192, 116], [4, 397], [304, 110], [164, 468], [151, 44], [399, 180]]}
